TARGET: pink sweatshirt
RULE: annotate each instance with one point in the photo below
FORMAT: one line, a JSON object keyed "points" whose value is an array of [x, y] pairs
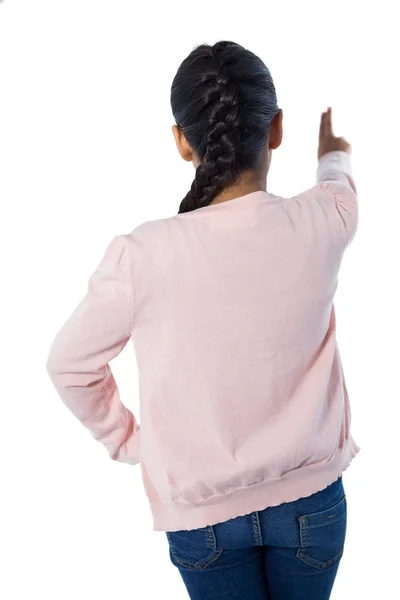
{"points": [[243, 401]]}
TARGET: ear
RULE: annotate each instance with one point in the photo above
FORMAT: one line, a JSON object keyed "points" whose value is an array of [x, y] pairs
{"points": [[183, 147], [276, 131]]}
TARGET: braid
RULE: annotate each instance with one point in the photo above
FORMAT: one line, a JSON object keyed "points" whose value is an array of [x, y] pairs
{"points": [[224, 99], [220, 145]]}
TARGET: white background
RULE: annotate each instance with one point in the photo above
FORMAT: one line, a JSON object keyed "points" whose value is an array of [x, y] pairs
{"points": [[86, 152]]}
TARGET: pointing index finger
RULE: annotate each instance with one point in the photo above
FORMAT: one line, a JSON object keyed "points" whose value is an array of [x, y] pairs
{"points": [[329, 129]]}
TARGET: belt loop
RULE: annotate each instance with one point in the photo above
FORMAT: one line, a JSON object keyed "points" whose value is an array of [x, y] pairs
{"points": [[256, 529]]}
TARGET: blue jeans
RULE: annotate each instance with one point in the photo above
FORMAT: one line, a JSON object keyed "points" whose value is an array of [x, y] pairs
{"points": [[286, 552]]}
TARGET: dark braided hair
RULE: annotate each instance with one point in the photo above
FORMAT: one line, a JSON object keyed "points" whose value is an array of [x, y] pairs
{"points": [[223, 99]]}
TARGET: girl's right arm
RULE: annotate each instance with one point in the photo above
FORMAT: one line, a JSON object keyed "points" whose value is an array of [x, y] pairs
{"points": [[334, 174]]}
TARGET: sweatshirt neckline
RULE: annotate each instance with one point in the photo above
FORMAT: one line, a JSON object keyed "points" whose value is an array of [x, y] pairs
{"points": [[245, 201]]}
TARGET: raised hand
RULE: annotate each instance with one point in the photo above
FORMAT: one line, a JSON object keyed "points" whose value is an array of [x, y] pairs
{"points": [[327, 140]]}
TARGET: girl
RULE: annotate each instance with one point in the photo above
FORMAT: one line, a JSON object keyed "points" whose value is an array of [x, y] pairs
{"points": [[244, 413]]}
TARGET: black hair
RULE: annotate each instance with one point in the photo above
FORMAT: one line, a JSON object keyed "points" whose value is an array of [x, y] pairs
{"points": [[224, 100]]}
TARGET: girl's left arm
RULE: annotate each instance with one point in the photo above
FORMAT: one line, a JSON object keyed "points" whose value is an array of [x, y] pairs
{"points": [[78, 363]]}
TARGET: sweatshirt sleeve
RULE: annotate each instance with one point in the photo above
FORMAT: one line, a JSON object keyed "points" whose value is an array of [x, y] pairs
{"points": [[78, 362], [334, 175]]}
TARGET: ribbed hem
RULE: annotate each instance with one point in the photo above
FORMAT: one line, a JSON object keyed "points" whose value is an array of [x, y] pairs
{"points": [[296, 484]]}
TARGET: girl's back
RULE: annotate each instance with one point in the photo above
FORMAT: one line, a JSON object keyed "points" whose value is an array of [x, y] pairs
{"points": [[234, 333]]}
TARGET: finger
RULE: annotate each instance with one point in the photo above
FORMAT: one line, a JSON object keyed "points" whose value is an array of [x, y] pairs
{"points": [[329, 130]]}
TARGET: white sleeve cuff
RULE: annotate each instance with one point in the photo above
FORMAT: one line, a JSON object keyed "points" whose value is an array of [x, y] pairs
{"points": [[337, 161]]}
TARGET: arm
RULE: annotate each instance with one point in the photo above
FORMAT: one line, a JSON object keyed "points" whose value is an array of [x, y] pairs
{"points": [[334, 174], [78, 363], [335, 166]]}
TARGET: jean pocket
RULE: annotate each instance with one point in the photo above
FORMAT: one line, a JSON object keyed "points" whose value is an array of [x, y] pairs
{"points": [[193, 548], [322, 536]]}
